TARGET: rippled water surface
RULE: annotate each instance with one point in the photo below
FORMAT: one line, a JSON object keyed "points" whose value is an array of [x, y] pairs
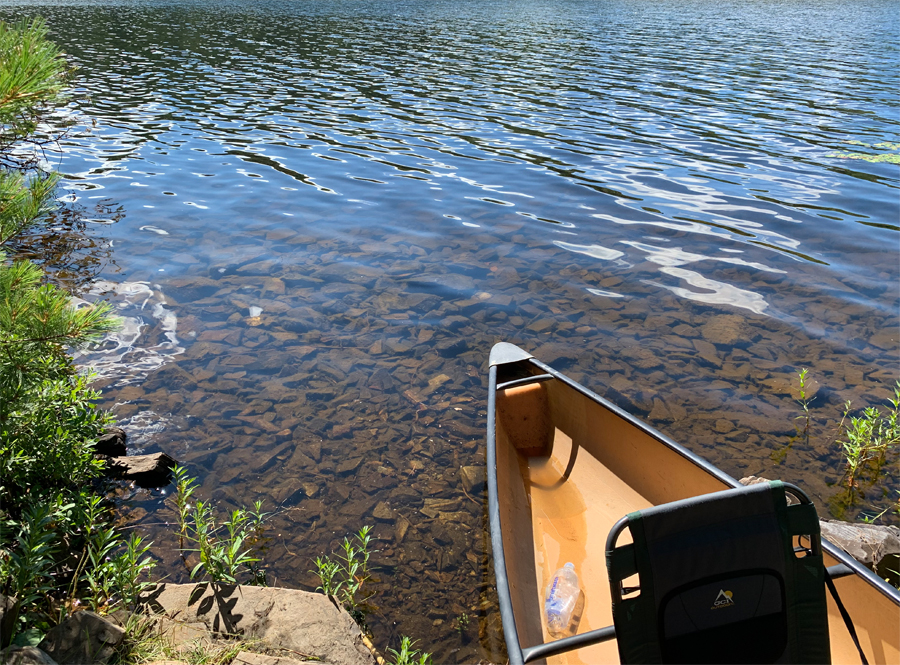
{"points": [[317, 216]]}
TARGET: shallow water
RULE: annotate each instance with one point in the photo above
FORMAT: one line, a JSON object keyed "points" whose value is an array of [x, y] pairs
{"points": [[317, 217]]}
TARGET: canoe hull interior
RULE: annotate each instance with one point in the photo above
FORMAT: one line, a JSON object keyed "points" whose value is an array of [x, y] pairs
{"points": [[568, 465]]}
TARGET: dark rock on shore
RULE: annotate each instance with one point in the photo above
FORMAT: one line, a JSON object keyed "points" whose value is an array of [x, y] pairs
{"points": [[7, 619], [25, 656], [112, 443], [82, 638]]}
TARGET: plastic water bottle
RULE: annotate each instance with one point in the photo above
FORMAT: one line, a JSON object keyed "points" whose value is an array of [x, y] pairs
{"points": [[560, 598]]}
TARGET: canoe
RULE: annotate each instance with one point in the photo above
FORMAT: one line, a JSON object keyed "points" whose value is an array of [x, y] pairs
{"points": [[547, 510]]}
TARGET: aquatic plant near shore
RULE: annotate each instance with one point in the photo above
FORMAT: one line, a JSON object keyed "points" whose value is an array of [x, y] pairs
{"points": [[867, 443], [112, 578], [345, 578], [224, 549], [803, 398], [868, 438], [407, 655]]}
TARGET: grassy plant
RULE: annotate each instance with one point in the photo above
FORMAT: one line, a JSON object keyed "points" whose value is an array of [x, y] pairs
{"points": [[115, 570], [345, 577], [145, 642], [66, 554], [867, 442], [27, 565], [225, 549], [867, 439], [184, 490], [407, 655], [461, 623], [803, 398], [893, 510]]}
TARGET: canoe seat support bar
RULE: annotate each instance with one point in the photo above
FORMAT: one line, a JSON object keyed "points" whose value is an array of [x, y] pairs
{"points": [[568, 644]]}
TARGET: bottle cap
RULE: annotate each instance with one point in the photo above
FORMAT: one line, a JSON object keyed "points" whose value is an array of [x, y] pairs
{"points": [[570, 565]]}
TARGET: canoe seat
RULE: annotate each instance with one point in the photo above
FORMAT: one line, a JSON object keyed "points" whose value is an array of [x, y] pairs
{"points": [[730, 577]]}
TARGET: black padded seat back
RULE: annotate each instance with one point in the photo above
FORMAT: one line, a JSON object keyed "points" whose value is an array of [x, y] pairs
{"points": [[720, 582]]}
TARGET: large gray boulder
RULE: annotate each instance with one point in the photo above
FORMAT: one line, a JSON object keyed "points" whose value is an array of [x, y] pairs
{"points": [[308, 623], [84, 637]]}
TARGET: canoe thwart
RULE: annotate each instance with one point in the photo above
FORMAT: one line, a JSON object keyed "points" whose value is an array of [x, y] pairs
{"points": [[537, 378], [568, 644]]}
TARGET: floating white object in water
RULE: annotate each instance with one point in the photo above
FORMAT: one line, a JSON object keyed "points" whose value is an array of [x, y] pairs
{"points": [[255, 311], [155, 229]]}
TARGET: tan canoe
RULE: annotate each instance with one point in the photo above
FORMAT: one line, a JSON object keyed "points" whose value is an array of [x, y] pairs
{"points": [[549, 510]]}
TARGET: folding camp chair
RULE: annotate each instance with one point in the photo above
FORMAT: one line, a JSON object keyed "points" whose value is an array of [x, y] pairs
{"points": [[730, 577]]}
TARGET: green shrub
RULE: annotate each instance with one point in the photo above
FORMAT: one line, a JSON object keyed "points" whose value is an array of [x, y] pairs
{"points": [[48, 421], [57, 545]]}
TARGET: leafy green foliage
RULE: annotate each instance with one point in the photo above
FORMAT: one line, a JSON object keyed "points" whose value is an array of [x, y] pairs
{"points": [[407, 655], [868, 442], [868, 438], [223, 550], [48, 421], [345, 578], [64, 552], [58, 548], [113, 569], [27, 566], [23, 200]]}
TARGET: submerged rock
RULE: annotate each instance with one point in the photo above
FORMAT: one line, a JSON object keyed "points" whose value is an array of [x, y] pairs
{"points": [[473, 477]]}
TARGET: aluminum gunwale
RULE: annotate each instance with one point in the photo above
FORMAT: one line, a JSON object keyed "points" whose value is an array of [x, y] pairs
{"points": [[507, 616]]}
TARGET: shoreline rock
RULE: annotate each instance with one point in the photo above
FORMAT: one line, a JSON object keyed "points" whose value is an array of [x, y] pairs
{"points": [[84, 637], [147, 470], [300, 621]]}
